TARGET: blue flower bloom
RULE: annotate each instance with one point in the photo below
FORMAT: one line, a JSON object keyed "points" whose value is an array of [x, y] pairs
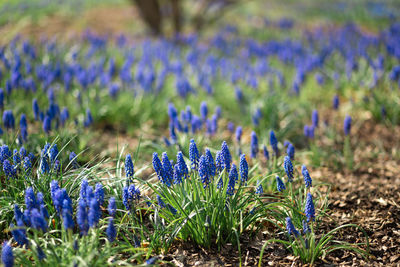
{"points": [[94, 213], [47, 124], [210, 163], [9, 169], [309, 209], [347, 125], [279, 184], [226, 157], [111, 231], [335, 102], [306, 176], [82, 217], [72, 160], [168, 171], [53, 153], [306, 227], [203, 171], [290, 151], [265, 152], [193, 154], [7, 256], [314, 118], [273, 141], [259, 188], [99, 193], [68, 222], [8, 119], [218, 161], [254, 145], [40, 253], [233, 177], [44, 165], [30, 199], [182, 165], [238, 134], [288, 166], [22, 152], [177, 175], [243, 169], [112, 207], [290, 227], [160, 202], [158, 168], [203, 110], [19, 234], [37, 220]]}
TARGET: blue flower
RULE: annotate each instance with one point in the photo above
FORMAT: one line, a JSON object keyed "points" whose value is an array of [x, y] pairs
{"points": [[290, 227], [203, 171], [254, 145], [177, 175], [273, 141], [47, 124], [8, 119], [290, 151], [238, 134], [44, 165], [67, 215], [112, 207], [226, 157], [306, 227], [265, 152], [111, 231], [210, 163], [9, 169], [193, 154], [158, 168], [99, 193], [37, 220], [160, 202], [168, 171], [259, 188], [347, 125], [243, 169], [53, 153], [82, 217], [182, 165], [7, 256], [19, 234], [306, 176], [309, 209], [279, 184], [218, 161], [72, 160], [203, 110], [30, 198], [233, 177], [94, 213], [288, 166], [40, 253], [335, 102], [314, 118]]}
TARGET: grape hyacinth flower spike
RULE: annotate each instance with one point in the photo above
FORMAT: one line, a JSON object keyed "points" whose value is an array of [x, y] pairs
{"points": [[193, 154], [274, 142], [347, 125], [306, 176], [288, 167], [309, 209], [279, 184]]}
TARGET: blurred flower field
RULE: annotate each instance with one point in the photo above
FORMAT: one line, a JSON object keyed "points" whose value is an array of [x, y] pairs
{"points": [[270, 138]]}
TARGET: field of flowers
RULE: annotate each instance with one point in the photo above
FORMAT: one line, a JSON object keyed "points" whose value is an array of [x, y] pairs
{"points": [[264, 143]]}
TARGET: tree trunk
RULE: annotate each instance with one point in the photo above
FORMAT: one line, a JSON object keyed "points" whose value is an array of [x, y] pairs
{"points": [[151, 13]]}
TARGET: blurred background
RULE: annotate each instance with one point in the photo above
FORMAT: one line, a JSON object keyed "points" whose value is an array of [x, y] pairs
{"points": [[45, 18]]}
